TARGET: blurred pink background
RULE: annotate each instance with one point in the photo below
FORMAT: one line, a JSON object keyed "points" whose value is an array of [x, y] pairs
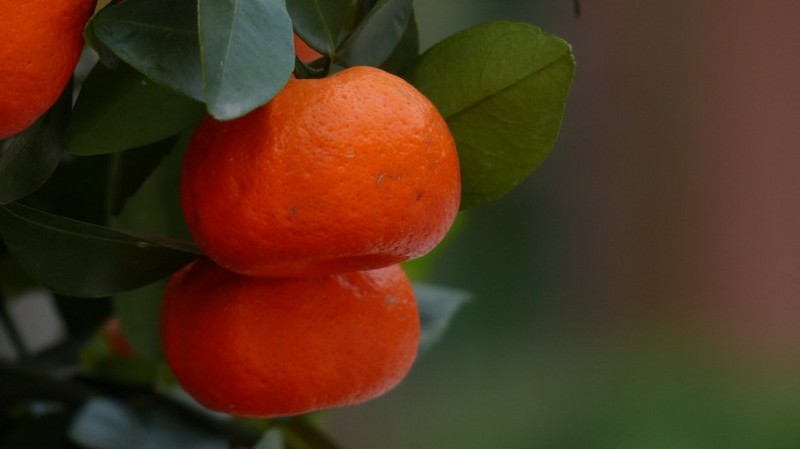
{"points": [[684, 136]]}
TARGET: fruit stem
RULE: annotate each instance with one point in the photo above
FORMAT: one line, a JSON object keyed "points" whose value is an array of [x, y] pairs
{"points": [[303, 435]]}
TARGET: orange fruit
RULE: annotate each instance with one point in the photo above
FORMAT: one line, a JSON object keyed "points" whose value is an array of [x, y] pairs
{"points": [[38, 53], [350, 172], [266, 347]]}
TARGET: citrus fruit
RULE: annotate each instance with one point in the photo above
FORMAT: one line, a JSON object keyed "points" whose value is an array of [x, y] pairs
{"points": [[265, 347], [39, 51], [350, 172]]}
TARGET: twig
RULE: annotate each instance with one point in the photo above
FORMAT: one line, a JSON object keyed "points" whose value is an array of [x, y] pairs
{"points": [[300, 430]]}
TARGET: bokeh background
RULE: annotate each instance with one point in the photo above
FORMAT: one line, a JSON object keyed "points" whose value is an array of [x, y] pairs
{"points": [[642, 289]]}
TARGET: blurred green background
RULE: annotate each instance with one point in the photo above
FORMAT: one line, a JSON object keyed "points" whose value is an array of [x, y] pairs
{"points": [[641, 289]]}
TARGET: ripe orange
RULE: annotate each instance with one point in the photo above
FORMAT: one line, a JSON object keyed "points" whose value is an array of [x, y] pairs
{"points": [[38, 52], [350, 172], [264, 347]]}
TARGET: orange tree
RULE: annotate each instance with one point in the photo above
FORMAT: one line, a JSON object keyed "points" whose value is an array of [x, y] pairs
{"points": [[90, 207]]}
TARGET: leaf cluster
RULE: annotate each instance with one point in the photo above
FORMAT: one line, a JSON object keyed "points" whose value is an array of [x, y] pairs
{"points": [[88, 194]]}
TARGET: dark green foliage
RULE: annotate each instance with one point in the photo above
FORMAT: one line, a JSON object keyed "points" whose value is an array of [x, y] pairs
{"points": [[376, 37], [159, 38], [121, 109], [323, 24], [28, 159], [83, 259]]}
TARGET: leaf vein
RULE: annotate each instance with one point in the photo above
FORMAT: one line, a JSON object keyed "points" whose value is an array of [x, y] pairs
{"points": [[493, 94]]}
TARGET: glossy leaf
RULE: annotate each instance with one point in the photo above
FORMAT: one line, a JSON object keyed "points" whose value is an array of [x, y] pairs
{"points": [[364, 8], [502, 88], [28, 159], [158, 38], [407, 50], [322, 23], [437, 305], [121, 109], [247, 53], [376, 37], [130, 169], [106, 56], [82, 259]]}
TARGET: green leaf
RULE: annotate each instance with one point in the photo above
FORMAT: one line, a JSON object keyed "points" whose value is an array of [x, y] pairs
{"points": [[407, 50], [107, 57], [502, 87], [323, 24], [364, 8], [247, 53], [131, 168], [28, 159], [122, 109], [376, 37], [82, 259], [437, 305], [158, 38]]}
